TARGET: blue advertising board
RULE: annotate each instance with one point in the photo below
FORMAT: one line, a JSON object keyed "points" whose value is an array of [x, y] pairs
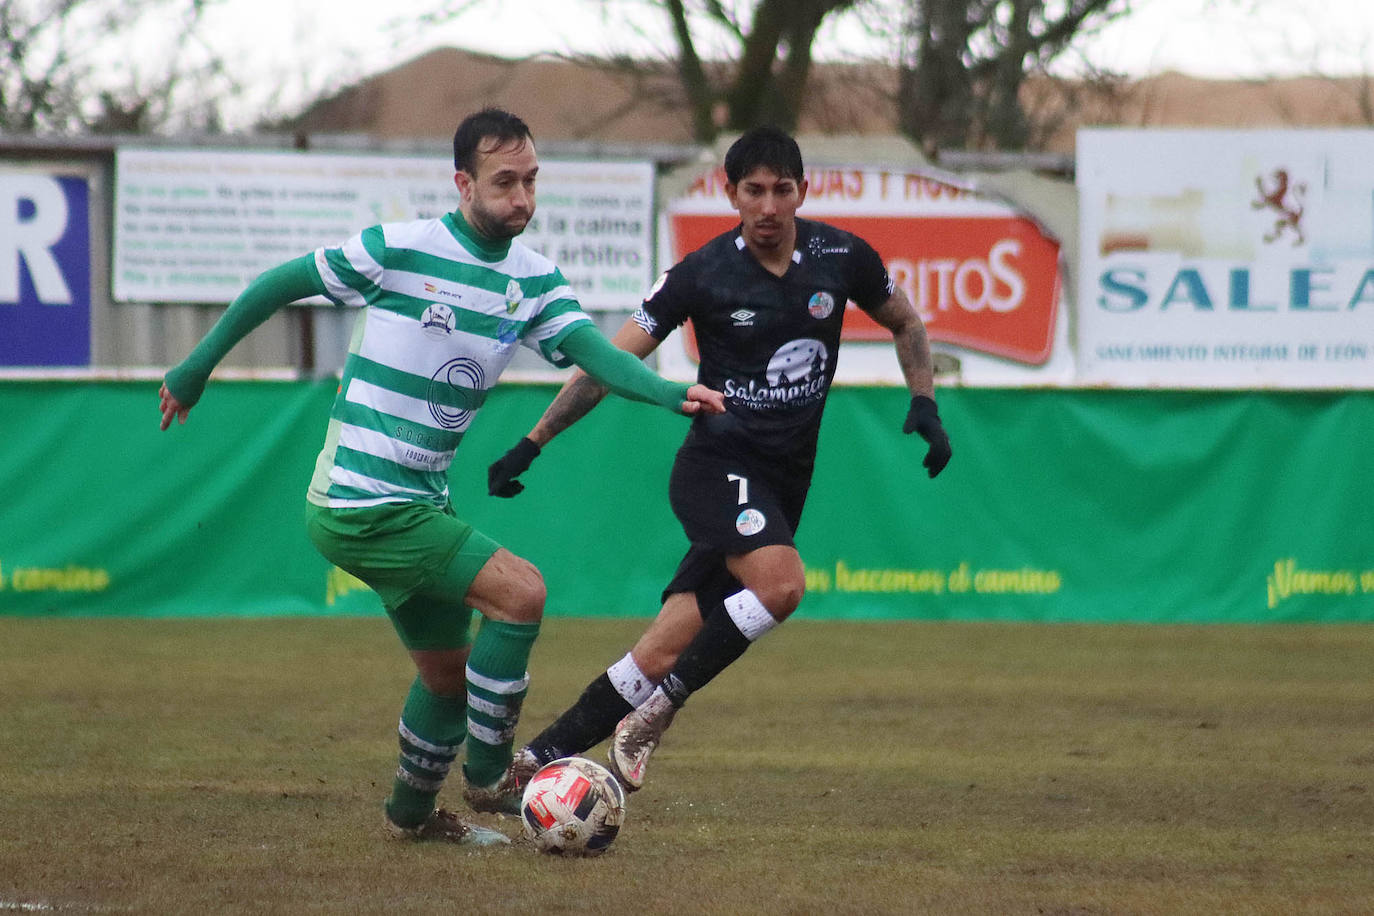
{"points": [[45, 270]]}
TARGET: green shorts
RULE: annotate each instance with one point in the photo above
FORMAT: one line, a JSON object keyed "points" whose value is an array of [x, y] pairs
{"points": [[419, 558]]}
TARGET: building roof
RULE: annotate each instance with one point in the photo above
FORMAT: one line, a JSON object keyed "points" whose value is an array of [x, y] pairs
{"points": [[597, 101]]}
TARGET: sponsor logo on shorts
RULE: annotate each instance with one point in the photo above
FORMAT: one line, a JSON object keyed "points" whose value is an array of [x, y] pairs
{"points": [[821, 305], [750, 521]]}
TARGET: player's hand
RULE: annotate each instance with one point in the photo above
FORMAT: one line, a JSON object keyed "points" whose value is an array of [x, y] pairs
{"points": [[704, 401], [171, 407], [923, 418], [503, 471]]}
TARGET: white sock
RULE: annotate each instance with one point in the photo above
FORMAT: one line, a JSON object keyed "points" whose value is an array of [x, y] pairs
{"points": [[749, 614], [630, 682]]}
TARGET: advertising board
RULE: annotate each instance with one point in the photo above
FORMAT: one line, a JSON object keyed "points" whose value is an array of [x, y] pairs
{"points": [[983, 275], [1227, 259], [197, 225], [45, 269]]}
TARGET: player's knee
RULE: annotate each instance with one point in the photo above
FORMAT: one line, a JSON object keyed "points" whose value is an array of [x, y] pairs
{"points": [[781, 597], [508, 588], [654, 661], [528, 594]]}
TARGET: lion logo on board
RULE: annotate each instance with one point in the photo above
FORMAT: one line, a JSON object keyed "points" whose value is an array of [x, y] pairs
{"points": [[1286, 198]]}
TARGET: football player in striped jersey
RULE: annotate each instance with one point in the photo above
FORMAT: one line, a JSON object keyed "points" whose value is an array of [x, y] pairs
{"points": [[442, 305]]}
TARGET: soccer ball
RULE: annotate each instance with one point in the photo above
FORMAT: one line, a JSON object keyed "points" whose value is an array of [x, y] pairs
{"points": [[572, 807]]}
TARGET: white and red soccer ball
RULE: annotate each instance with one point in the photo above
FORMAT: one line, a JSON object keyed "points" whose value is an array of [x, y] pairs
{"points": [[572, 807]]}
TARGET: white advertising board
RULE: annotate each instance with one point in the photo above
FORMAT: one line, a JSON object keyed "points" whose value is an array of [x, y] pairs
{"points": [[197, 226], [1226, 259]]}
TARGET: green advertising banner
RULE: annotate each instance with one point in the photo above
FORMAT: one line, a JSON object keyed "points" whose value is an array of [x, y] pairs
{"points": [[1083, 505]]}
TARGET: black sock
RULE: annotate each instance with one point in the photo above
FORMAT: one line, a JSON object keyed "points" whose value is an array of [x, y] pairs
{"points": [[711, 651], [585, 724]]}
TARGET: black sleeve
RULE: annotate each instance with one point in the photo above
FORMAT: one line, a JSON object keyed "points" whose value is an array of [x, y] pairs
{"points": [[870, 286], [669, 301]]}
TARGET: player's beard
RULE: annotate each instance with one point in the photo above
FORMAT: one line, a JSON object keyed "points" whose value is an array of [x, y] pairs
{"points": [[489, 225], [768, 235]]}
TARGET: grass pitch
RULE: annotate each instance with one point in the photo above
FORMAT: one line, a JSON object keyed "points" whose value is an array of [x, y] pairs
{"points": [[193, 766]]}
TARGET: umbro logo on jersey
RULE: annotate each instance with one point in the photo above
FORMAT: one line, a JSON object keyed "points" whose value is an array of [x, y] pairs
{"points": [[743, 318]]}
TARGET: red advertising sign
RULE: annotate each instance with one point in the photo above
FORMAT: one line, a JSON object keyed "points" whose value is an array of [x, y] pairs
{"points": [[982, 276]]}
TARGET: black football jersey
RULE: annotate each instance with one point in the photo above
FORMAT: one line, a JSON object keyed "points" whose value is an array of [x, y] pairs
{"points": [[768, 343]]}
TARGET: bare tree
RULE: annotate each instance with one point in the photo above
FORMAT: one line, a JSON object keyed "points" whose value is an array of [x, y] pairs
{"points": [[963, 63], [958, 66], [765, 78], [76, 66]]}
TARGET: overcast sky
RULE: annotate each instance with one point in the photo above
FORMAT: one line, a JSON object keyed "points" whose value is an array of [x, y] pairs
{"points": [[291, 45]]}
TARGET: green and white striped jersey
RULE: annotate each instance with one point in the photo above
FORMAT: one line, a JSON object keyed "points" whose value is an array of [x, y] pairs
{"points": [[442, 313]]}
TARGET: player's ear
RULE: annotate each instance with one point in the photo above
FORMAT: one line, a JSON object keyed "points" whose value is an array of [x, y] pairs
{"points": [[463, 181], [801, 192], [731, 191]]}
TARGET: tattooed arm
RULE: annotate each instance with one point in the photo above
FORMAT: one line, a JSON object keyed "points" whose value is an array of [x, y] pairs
{"points": [[573, 402], [913, 355], [913, 345], [582, 392]]}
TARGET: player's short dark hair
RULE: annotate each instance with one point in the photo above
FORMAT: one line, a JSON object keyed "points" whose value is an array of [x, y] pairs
{"points": [[487, 124], [768, 147]]}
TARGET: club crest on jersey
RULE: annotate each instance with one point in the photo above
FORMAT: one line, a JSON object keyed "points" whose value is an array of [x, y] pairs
{"points": [[437, 321], [821, 305], [514, 295], [743, 318], [750, 522]]}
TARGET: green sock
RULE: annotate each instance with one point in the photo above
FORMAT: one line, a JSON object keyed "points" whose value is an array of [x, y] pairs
{"points": [[431, 734], [497, 682]]}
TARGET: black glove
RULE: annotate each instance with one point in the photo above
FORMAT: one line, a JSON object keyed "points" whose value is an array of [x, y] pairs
{"points": [[503, 471], [923, 418]]}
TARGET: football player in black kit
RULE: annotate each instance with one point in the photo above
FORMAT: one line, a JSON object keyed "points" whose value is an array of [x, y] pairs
{"points": [[766, 300]]}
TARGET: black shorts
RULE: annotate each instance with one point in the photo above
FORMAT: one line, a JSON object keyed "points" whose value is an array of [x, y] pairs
{"points": [[729, 505]]}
